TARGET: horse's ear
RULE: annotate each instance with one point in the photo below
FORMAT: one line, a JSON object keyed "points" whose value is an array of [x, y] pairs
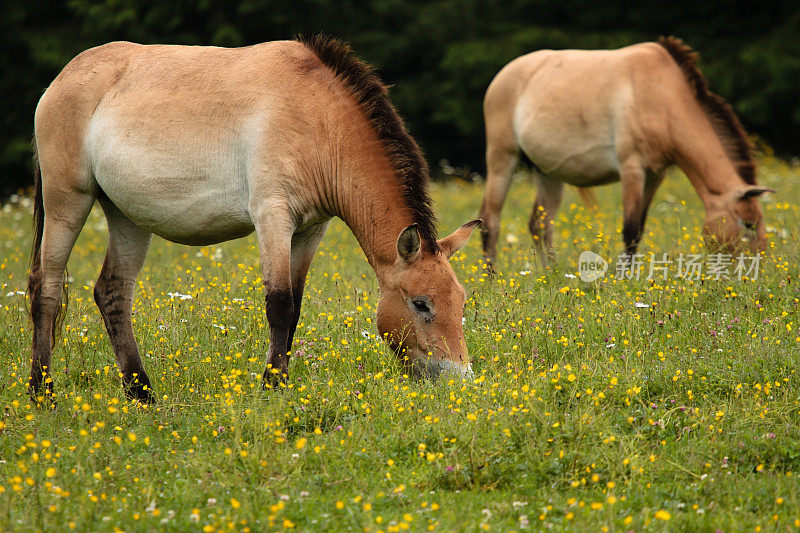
{"points": [[408, 244], [453, 242], [754, 191]]}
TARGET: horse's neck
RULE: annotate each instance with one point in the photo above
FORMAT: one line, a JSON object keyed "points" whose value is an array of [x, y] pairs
{"points": [[703, 159], [368, 199]]}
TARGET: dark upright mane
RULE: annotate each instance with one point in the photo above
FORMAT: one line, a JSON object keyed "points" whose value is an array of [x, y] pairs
{"points": [[726, 124], [403, 152]]}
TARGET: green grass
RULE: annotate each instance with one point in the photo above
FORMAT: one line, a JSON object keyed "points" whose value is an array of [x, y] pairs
{"points": [[587, 411]]}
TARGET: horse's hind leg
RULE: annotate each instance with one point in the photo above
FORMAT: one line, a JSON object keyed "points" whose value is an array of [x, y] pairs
{"points": [[113, 293], [588, 197], [65, 213], [501, 160], [548, 198]]}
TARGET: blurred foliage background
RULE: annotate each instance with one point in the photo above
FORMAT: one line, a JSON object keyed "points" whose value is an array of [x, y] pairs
{"points": [[439, 55]]}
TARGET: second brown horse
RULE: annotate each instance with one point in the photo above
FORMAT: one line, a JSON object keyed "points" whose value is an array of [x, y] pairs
{"points": [[593, 117]]}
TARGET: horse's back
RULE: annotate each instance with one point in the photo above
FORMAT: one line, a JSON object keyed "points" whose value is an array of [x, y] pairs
{"points": [[576, 112], [576, 73], [120, 73]]}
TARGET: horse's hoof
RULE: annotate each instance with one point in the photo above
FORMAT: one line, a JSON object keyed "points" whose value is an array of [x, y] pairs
{"points": [[274, 379], [44, 399], [141, 392]]}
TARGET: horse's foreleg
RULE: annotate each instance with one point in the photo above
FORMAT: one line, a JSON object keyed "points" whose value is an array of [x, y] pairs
{"points": [[651, 185], [540, 224], [632, 178], [275, 229], [62, 224], [304, 247], [638, 190], [113, 294], [500, 164]]}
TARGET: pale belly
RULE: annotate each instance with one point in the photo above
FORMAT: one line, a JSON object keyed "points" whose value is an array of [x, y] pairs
{"points": [[190, 192], [572, 142], [571, 156], [581, 166]]}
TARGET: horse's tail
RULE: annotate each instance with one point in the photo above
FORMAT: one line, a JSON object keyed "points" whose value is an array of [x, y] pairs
{"points": [[35, 277]]}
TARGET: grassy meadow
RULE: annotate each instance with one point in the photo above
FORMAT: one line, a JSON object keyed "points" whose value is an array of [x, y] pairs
{"points": [[617, 405]]}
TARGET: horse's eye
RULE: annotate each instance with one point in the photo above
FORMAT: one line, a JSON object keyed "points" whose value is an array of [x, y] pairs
{"points": [[748, 224], [421, 306]]}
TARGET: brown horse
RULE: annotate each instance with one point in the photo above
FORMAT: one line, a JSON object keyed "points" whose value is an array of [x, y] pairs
{"points": [[593, 117], [200, 145]]}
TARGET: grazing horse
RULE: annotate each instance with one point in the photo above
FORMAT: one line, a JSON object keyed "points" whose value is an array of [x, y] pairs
{"points": [[593, 117], [203, 144]]}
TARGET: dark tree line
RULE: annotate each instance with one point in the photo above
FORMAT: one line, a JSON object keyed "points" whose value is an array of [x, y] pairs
{"points": [[439, 55]]}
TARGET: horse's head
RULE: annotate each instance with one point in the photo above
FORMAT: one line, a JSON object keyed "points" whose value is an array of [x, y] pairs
{"points": [[735, 222], [421, 306]]}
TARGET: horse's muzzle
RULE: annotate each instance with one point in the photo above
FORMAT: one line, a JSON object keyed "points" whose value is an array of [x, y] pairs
{"points": [[433, 369]]}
